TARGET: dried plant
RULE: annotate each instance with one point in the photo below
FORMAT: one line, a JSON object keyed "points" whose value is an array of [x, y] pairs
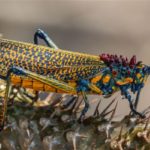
{"points": [[53, 124]]}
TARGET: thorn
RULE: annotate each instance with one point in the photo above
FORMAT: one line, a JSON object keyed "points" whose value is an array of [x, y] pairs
{"points": [[107, 107], [77, 107], [120, 133], [74, 139], [108, 131], [69, 102], [107, 113], [73, 106], [145, 111], [74, 136], [28, 132], [147, 122], [96, 112], [113, 112], [74, 143]]}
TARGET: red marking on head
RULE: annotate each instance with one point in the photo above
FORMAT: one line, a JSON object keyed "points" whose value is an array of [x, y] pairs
{"points": [[132, 61], [107, 58]]}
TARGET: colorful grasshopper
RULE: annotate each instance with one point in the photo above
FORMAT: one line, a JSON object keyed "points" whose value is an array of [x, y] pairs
{"points": [[51, 69]]}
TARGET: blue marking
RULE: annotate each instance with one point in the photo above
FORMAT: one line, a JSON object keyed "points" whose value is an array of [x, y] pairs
{"points": [[16, 71], [83, 85]]}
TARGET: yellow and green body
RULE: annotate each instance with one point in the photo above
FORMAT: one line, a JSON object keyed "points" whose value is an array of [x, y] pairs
{"points": [[46, 69], [61, 65]]}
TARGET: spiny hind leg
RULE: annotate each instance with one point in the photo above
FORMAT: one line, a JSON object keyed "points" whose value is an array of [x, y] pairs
{"points": [[21, 72], [42, 35], [43, 79]]}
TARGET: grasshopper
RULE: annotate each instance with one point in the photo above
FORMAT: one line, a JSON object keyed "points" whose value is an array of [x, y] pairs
{"points": [[48, 68]]}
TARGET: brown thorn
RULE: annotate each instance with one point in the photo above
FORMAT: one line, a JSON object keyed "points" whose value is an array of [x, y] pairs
{"points": [[77, 107], [147, 122], [113, 112], [145, 110], [107, 113], [96, 112], [73, 106], [107, 107], [120, 133]]}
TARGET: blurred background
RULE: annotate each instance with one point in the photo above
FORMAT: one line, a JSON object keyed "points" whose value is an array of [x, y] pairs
{"points": [[95, 27]]}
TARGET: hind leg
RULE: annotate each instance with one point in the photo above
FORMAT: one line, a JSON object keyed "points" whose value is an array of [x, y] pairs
{"points": [[42, 35]]}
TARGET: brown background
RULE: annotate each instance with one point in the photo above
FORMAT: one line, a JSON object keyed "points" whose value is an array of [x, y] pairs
{"points": [[121, 27]]}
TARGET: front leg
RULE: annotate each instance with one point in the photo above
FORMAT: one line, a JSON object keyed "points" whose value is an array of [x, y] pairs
{"points": [[129, 98], [137, 98]]}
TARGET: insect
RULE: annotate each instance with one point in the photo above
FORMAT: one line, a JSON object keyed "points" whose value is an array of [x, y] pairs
{"points": [[48, 68]]}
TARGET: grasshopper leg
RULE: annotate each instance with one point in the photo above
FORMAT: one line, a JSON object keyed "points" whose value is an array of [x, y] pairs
{"points": [[21, 72], [128, 96], [86, 106], [47, 80], [42, 35], [137, 98], [84, 85]]}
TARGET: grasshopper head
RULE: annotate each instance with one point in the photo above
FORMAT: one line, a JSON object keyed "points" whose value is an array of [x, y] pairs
{"points": [[146, 70], [142, 72]]}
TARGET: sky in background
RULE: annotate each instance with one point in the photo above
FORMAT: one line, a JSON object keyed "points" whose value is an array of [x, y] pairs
{"points": [[116, 27]]}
